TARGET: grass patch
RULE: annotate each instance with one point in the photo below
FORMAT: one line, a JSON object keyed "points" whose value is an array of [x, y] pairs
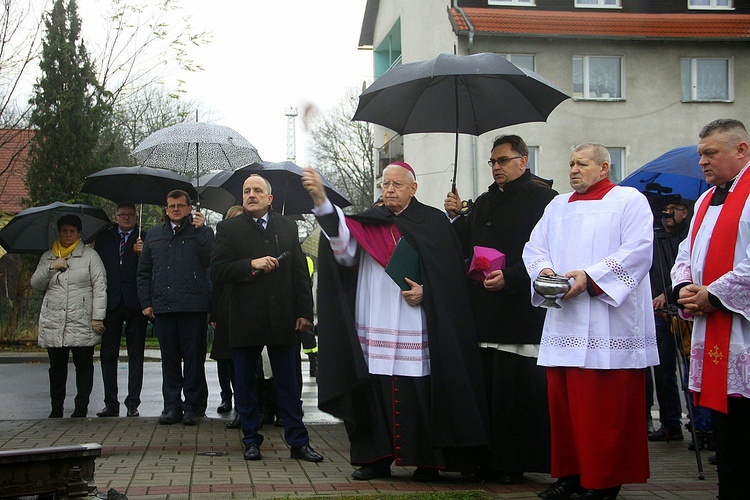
{"points": [[447, 495]]}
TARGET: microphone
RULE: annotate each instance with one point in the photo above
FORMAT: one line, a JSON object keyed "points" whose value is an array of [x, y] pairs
{"points": [[281, 257]]}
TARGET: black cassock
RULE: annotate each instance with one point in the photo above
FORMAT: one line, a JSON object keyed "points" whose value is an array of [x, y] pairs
{"points": [[439, 420]]}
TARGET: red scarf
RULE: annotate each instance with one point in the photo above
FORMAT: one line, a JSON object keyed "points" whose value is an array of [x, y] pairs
{"points": [[719, 261], [595, 191]]}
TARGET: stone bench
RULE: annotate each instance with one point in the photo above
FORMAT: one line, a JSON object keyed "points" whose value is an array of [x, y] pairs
{"points": [[67, 469]]}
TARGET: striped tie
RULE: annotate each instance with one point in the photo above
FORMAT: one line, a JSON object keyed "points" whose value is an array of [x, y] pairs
{"points": [[123, 240]]}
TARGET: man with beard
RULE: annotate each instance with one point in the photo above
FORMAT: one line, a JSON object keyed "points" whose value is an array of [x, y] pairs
{"points": [[508, 326], [400, 367]]}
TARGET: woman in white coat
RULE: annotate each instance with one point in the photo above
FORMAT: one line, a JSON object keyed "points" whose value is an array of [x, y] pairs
{"points": [[72, 316]]}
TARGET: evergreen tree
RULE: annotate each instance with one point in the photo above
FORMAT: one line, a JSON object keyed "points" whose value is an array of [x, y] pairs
{"points": [[70, 108]]}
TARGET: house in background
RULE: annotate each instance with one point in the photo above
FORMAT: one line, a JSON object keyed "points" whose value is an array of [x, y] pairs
{"points": [[14, 150], [644, 76]]}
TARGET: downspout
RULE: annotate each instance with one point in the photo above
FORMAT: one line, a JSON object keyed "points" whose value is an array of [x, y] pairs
{"points": [[474, 172]]}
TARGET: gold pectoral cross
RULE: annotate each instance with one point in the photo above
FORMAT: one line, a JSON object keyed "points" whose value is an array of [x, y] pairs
{"points": [[716, 354]]}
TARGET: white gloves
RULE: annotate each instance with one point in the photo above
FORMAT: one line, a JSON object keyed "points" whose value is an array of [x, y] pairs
{"points": [[59, 264]]}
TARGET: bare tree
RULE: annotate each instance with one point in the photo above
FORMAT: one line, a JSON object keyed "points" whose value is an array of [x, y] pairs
{"points": [[342, 150]]}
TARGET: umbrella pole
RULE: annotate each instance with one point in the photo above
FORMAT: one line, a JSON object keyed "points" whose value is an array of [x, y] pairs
{"points": [[140, 222], [197, 173], [455, 147]]}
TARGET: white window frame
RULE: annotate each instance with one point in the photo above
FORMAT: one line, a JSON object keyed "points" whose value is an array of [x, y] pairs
{"points": [[586, 95], [694, 75], [618, 174], [599, 5], [520, 3], [711, 6], [533, 160], [509, 57]]}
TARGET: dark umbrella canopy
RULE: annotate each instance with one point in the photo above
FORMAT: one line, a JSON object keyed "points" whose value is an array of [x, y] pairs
{"points": [[675, 172], [212, 195], [136, 185], [468, 94], [289, 196], [196, 148], [35, 229]]}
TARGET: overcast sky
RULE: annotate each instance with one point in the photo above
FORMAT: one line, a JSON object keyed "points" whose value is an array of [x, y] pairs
{"points": [[266, 56]]}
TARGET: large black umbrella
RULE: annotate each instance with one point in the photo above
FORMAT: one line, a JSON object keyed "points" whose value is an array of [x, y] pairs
{"points": [[137, 185], [467, 94], [35, 229], [211, 193], [285, 177]]}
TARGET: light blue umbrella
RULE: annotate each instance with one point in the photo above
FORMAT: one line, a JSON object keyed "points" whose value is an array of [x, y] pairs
{"points": [[675, 172]]}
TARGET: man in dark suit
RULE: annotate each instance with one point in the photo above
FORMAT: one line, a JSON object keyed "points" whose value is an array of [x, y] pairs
{"points": [[119, 249], [173, 289], [270, 300]]}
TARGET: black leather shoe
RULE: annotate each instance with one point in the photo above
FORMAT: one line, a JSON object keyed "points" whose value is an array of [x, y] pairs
{"points": [[426, 474], [663, 434], [235, 423], [79, 413], [57, 413], [133, 411], [252, 452], [367, 472], [109, 411], [306, 453], [170, 417], [189, 419], [712, 459], [564, 487], [279, 422], [606, 494], [225, 406]]}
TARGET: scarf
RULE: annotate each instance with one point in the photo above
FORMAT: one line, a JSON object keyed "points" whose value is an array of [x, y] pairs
{"points": [[60, 251]]}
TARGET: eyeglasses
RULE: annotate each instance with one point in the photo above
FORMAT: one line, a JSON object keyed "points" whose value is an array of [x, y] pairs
{"points": [[675, 209], [397, 185], [129, 214], [178, 206], [503, 160]]}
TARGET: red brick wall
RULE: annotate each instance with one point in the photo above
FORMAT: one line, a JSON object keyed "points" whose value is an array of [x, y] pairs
{"points": [[14, 149]]}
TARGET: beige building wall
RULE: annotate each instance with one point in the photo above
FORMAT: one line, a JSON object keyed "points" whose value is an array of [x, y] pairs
{"points": [[650, 120]]}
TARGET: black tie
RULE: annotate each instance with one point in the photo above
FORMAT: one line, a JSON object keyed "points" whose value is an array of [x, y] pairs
{"points": [[262, 224], [176, 228]]}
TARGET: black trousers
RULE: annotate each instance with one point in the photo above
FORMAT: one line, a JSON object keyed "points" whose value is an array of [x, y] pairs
{"points": [[182, 341], [135, 338], [284, 366], [83, 359], [732, 441], [225, 373]]}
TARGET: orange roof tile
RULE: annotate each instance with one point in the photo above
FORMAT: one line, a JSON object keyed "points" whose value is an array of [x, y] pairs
{"points": [[596, 24], [14, 149]]}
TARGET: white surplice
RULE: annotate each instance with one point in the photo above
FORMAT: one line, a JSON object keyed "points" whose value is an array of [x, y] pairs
{"points": [[611, 240], [392, 334], [732, 289]]}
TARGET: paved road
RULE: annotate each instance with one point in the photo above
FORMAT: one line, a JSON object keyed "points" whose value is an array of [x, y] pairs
{"points": [[24, 390]]}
